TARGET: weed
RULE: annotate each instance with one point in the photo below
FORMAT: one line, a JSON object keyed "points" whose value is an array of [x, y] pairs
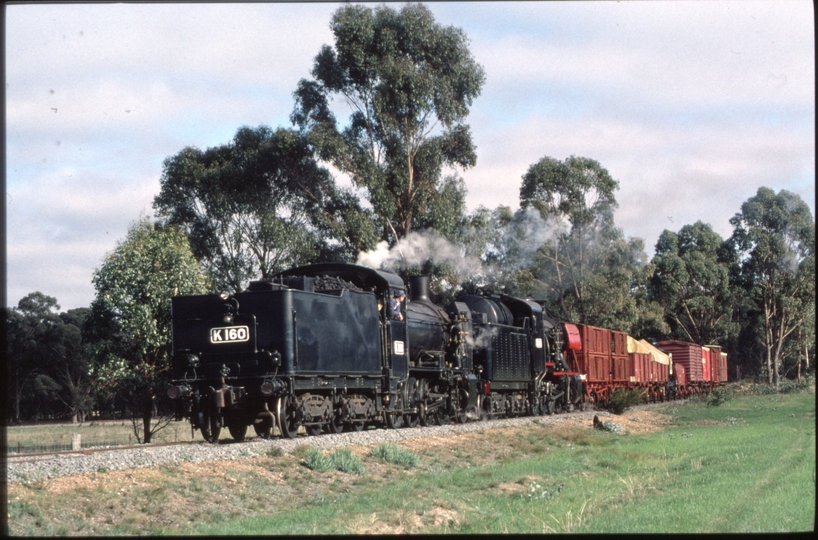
{"points": [[392, 453], [345, 461], [624, 399], [316, 460], [274, 452]]}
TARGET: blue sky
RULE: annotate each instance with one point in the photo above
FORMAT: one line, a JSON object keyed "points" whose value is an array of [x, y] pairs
{"points": [[690, 105]]}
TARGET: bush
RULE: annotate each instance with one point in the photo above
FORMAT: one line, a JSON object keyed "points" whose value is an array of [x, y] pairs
{"points": [[719, 396], [392, 453], [623, 399]]}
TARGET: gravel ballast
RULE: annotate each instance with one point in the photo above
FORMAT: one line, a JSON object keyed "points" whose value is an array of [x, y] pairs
{"points": [[31, 468]]}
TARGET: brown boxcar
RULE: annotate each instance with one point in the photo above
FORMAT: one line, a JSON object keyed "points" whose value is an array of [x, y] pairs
{"points": [[707, 375], [679, 372], [718, 364], [619, 356], [594, 359], [639, 367], [723, 368], [687, 354]]}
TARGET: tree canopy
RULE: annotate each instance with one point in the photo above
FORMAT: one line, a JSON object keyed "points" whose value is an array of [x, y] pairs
{"points": [[410, 83], [691, 279], [774, 235], [260, 204]]}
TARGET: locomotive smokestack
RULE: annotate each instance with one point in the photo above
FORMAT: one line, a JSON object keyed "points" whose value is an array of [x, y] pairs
{"points": [[419, 287]]}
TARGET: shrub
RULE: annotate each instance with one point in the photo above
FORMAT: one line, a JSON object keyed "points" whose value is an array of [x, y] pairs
{"points": [[392, 453], [719, 396], [623, 399]]}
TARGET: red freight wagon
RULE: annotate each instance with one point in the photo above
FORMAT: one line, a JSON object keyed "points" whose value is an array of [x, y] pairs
{"points": [[619, 356], [723, 368], [718, 364], [687, 354], [707, 375], [679, 371], [658, 372], [640, 366], [594, 359]]}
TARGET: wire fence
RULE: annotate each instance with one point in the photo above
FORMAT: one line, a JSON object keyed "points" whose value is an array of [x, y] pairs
{"points": [[64, 438]]}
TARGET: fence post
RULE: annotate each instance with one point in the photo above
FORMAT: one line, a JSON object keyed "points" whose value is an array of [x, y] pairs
{"points": [[75, 441]]}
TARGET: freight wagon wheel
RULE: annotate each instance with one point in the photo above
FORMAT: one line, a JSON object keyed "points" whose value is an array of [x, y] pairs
{"points": [[287, 418]]}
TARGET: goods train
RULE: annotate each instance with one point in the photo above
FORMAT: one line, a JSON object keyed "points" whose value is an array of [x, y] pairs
{"points": [[334, 347]]}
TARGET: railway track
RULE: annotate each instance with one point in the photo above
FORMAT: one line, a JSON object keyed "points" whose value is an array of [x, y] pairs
{"points": [[31, 467]]}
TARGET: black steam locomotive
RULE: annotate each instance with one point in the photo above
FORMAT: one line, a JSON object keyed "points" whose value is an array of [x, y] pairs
{"points": [[318, 347]]}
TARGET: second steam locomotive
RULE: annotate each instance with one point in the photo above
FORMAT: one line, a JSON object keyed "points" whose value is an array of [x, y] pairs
{"points": [[333, 347]]}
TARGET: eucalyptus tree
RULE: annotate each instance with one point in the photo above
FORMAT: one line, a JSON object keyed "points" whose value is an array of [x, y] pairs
{"points": [[691, 279], [586, 250], [28, 326], [260, 204], [410, 83], [131, 311], [774, 235]]}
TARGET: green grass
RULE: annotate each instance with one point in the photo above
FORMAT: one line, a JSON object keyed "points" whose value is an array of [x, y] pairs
{"points": [[745, 466]]}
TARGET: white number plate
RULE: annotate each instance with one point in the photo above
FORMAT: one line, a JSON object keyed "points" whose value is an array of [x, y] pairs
{"points": [[230, 334]]}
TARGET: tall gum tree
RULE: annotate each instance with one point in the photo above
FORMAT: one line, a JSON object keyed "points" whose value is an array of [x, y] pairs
{"points": [[691, 279], [578, 192], [409, 82], [774, 235]]}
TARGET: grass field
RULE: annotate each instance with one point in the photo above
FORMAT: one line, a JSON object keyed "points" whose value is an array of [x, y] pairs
{"points": [[745, 466], [55, 437]]}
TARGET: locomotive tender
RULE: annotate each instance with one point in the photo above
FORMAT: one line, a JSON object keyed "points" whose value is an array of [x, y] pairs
{"points": [[317, 347]]}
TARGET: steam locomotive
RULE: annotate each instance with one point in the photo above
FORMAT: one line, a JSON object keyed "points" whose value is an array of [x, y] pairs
{"points": [[317, 347]]}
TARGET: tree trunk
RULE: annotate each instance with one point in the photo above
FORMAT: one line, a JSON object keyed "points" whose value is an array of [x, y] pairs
{"points": [[147, 414]]}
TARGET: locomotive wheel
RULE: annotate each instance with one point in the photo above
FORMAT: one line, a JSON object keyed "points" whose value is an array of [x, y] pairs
{"points": [[204, 425], [354, 426], [210, 423], [394, 420], [412, 419], [238, 430], [287, 418], [485, 408], [264, 429], [336, 423]]}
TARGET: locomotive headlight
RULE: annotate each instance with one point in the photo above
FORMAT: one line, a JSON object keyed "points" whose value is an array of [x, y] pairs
{"points": [[228, 319], [267, 388], [224, 295], [177, 392], [193, 360]]}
